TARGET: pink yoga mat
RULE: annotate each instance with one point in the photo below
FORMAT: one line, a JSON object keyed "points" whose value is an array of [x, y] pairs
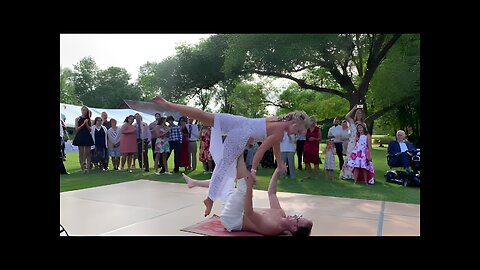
{"points": [[213, 227]]}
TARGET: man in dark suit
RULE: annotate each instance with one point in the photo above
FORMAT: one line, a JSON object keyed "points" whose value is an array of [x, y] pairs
{"points": [[399, 152]]}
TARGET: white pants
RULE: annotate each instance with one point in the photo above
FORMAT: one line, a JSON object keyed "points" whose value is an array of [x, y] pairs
{"points": [[225, 154], [232, 213]]}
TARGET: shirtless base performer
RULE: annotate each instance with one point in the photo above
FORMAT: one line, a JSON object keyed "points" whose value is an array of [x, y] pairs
{"points": [[238, 213]]}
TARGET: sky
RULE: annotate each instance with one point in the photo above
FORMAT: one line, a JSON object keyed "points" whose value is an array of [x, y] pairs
{"points": [[129, 51]]}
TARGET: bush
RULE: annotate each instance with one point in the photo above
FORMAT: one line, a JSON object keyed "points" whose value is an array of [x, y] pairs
{"points": [[382, 140]]}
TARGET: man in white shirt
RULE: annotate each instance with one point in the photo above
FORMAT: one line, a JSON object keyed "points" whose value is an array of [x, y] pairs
{"points": [[193, 134], [287, 152], [144, 138]]}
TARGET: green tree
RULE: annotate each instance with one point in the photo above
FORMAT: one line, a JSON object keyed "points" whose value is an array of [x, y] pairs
{"points": [[223, 93], [248, 100], [168, 80], [204, 97], [112, 87], [67, 88], [102, 88], [338, 64], [147, 81], [194, 71], [85, 79], [321, 105], [395, 88]]}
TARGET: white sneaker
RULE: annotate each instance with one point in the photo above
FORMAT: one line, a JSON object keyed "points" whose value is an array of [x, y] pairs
{"points": [[157, 173], [169, 173]]}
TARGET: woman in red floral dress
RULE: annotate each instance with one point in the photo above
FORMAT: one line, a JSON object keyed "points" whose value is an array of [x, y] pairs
{"points": [[311, 148], [205, 156]]}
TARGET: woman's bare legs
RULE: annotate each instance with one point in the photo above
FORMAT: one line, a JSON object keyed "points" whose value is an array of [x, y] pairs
{"points": [[356, 175], [316, 169], [164, 162], [308, 170], [135, 157], [81, 157], [242, 172], [331, 175], [130, 156], [195, 183], [89, 159], [206, 118], [123, 160], [157, 160]]}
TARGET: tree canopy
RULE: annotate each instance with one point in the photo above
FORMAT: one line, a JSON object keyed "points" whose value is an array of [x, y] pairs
{"points": [[91, 86], [330, 73]]}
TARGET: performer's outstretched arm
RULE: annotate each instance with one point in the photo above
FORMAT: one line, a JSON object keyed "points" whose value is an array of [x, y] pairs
{"points": [[272, 190], [248, 206]]}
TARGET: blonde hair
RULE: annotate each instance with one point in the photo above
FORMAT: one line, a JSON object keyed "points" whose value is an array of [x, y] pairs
{"points": [[357, 118], [298, 116]]}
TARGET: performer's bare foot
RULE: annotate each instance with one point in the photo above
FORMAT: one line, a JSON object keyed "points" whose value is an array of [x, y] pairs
{"points": [[209, 204], [188, 180], [160, 101]]}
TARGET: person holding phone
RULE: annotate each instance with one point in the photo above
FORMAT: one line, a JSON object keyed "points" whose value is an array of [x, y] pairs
{"points": [[346, 171]]}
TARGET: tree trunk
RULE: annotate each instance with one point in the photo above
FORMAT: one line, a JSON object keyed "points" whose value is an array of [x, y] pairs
{"points": [[355, 99], [370, 126]]}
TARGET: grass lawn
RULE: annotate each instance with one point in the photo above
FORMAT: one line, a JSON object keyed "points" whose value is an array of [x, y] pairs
{"points": [[317, 186]]}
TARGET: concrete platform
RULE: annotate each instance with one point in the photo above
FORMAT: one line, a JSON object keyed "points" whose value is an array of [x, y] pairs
{"points": [[151, 208]]}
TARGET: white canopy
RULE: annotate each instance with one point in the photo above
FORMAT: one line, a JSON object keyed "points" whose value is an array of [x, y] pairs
{"points": [[71, 112]]}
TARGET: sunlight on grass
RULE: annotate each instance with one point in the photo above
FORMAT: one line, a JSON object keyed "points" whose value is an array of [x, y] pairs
{"points": [[315, 186]]}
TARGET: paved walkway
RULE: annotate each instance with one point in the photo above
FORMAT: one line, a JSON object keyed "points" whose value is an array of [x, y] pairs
{"points": [[145, 207]]}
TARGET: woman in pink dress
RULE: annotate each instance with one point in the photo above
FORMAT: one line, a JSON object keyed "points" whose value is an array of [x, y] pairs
{"points": [[128, 142], [361, 158], [162, 146], [311, 148]]}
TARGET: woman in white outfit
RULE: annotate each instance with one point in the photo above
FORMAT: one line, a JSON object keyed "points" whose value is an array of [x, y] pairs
{"points": [[238, 130]]}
